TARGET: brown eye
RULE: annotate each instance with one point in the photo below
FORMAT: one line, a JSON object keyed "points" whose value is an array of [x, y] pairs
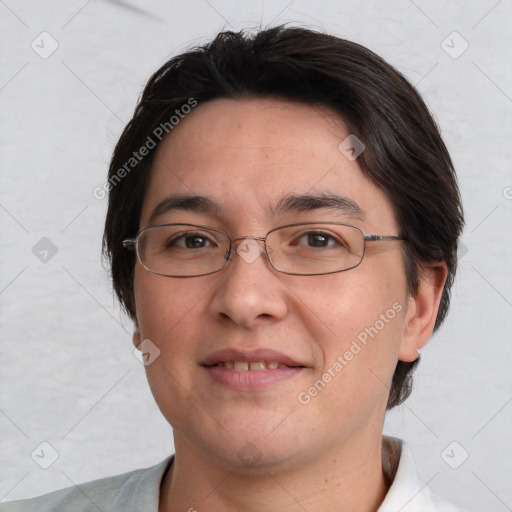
{"points": [[320, 239], [189, 241]]}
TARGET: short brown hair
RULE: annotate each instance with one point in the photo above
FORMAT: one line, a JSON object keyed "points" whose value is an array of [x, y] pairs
{"points": [[404, 156]]}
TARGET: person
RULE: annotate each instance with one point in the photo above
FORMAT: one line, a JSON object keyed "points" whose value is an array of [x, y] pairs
{"points": [[282, 228]]}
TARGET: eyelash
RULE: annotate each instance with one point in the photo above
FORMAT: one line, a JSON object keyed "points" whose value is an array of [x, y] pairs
{"points": [[325, 234]]}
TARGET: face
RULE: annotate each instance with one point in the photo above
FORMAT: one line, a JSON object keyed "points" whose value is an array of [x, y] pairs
{"points": [[344, 329]]}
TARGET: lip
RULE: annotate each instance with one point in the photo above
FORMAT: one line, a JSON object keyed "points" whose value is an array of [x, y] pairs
{"points": [[261, 354], [251, 380]]}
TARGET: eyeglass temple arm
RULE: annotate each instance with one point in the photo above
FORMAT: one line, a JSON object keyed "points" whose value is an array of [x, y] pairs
{"points": [[129, 243], [381, 238]]}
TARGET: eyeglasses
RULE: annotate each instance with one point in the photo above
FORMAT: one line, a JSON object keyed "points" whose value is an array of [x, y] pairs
{"points": [[306, 249]]}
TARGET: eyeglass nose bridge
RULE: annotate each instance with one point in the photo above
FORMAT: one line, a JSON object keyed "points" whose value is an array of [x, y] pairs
{"points": [[248, 254]]}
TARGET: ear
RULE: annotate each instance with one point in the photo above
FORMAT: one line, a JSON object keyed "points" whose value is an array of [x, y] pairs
{"points": [[136, 334], [421, 313]]}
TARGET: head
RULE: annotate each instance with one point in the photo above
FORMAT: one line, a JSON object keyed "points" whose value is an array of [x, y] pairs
{"points": [[245, 121]]}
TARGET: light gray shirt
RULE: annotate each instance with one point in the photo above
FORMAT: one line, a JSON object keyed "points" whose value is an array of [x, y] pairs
{"points": [[139, 491]]}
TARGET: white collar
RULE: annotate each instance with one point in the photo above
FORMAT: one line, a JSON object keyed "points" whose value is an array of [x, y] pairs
{"points": [[408, 493]]}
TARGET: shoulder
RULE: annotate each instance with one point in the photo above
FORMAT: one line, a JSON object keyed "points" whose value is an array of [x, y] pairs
{"points": [[120, 492]]}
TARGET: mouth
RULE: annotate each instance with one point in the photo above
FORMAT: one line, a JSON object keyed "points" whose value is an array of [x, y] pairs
{"points": [[243, 370], [253, 366], [250, 360]]}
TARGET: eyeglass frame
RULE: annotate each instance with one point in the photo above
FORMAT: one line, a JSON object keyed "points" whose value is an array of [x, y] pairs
{"points": [[133, 244]]}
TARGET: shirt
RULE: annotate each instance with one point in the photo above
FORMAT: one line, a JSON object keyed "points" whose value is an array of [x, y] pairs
{"points": [[139, 490]]}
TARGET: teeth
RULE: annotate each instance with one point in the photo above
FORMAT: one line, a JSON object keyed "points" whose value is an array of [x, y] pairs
{"points": [[244, 366]]}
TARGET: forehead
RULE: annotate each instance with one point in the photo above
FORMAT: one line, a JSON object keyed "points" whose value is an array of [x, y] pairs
{"points": [[247, 156]]}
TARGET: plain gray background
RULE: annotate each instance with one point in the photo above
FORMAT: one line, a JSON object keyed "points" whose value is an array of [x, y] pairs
{"points": [[68, 373]]}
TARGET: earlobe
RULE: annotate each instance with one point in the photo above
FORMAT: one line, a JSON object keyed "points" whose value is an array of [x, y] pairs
{"points": [[421, 313]]}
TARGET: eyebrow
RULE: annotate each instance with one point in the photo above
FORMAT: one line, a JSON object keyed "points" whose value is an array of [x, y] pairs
{"points": [[298, 203], [293, 203]]}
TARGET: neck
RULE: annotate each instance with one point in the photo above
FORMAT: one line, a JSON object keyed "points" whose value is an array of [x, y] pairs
{"points": [[351, 479]]}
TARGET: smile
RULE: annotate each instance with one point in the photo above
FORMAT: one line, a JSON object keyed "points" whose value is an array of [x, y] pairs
{"points": [[244, 366]]}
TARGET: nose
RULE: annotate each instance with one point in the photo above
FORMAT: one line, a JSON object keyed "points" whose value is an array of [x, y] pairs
{"points": [[250, 289]]}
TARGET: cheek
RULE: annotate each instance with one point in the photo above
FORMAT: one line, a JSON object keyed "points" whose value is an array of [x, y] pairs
{"points": [[348, 302], [165, 305], [359, 360], [357, 327], [167, 312]]}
